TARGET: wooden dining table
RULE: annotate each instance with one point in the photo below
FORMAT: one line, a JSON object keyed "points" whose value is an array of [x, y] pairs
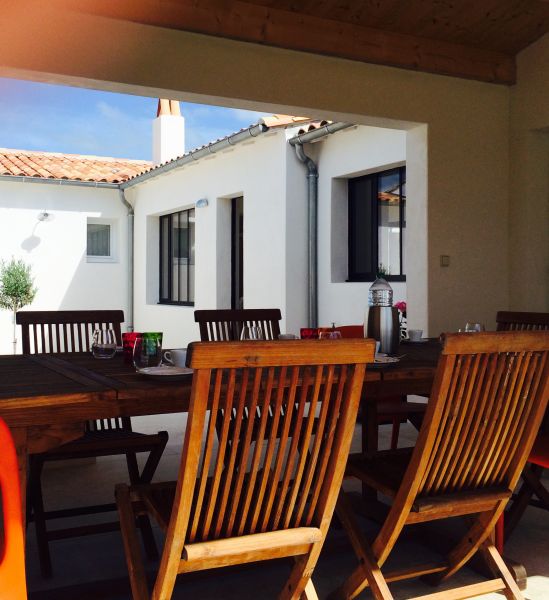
{"points": [[46, 398]]}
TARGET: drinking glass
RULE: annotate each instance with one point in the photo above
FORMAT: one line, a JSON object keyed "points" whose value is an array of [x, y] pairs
{"points": [[473, 327], [147, 352], [251, 333], [104, 343], [330, 335]]}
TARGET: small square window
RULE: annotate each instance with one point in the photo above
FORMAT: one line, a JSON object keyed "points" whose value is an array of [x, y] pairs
{"points": [[99, 239]]}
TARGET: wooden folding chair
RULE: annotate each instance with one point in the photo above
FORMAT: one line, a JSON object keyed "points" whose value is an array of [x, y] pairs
{"points": [[219, 325], [241, 500], [488, 399], [13, 584], [395, 410], [522, 321], [47, 332], [538, 461]]}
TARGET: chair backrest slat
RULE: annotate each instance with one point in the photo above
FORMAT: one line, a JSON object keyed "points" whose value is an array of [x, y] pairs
{"points": [[272, 472], [226, 325], [48, 332], [488, 401], [522, 321]]}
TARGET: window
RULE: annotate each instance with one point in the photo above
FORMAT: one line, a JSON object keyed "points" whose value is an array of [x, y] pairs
{"points": [[377, 225], [100, 246], [177, 258]]}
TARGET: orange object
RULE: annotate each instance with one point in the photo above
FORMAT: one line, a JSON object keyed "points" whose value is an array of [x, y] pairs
{"points": [[12, 554]]}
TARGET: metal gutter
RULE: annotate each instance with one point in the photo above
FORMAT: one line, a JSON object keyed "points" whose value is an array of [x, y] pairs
{"points": [[194, 155], [312, 234], [311, 136], [131, 237], [312, 209], [53, 181]]}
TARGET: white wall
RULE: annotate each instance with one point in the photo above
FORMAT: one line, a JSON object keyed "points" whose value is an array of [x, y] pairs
{"points": [[56, 248], [273, 183], [466, 125], [254, 170], [348, 153], [529, 206]]}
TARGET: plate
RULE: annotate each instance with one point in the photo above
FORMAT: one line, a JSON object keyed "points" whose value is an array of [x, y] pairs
{"points": [[383, 359], [165, 372]]}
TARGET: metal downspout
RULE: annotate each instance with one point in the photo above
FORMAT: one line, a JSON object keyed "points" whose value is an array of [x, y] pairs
{"points": [[312, 230], [129, 207]]}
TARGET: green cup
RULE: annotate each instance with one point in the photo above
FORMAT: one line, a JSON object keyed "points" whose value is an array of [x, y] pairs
{"points": [[148, 350]]}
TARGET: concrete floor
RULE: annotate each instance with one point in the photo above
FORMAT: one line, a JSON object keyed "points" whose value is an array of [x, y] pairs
{"points": [[99, 560]]}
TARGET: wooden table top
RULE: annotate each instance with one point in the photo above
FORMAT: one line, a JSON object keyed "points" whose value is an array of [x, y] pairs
{"points": [[41, 389]]}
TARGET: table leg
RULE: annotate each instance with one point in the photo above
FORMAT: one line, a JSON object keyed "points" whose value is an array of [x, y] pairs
{"points": [[39, 438], [369, 439], [20, 439]]}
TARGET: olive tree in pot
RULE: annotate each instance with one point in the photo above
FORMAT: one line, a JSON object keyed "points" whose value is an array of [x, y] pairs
{"points": [[16, 289]]}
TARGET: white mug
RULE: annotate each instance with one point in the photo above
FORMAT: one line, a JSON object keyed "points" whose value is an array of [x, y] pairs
{"points": [[415, 334], [177, 357]]}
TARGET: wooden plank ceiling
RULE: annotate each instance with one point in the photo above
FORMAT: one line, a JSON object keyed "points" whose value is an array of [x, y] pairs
{"points": [[474, 39]]}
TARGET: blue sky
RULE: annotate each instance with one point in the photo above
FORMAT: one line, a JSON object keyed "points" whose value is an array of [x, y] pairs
{"points": [[38, 116]]}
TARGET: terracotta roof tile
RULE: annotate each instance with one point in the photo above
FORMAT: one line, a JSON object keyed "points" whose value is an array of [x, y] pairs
{"points": [[76, 167]]}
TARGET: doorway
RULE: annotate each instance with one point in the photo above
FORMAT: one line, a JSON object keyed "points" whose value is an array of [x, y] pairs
{"points": [[237, 253]]}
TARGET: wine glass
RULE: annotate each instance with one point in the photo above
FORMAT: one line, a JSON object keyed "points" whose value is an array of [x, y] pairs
{"points": [[473, 327], [330, 335], [250, 332], [147, 352], [104, 343]]}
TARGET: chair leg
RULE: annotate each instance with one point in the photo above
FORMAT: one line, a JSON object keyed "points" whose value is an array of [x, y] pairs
{"points": [[133, 469], [132, 551], [37, 505], [500, 533], [368, 572], [532, 476], [153, 459], [498, 564], [143, 520], [299, 584], [522, 499], [395, 432]]}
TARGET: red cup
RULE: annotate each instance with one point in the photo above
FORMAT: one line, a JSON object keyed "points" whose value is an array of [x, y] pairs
{"points": [[309, 333], [128, 343]]}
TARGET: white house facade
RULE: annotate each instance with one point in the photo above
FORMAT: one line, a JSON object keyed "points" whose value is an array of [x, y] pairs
{"points": [[47, 221], [219, 227]]}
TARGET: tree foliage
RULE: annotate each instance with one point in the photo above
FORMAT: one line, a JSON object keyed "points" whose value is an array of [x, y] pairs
{"points": [[16, 285]]}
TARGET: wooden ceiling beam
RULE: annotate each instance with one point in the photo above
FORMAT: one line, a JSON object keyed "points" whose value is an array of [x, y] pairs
{"points": [[239, 20]]}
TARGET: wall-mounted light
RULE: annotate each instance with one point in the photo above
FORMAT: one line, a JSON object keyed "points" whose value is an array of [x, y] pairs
{"points": [[202, 203], [45, 216]]}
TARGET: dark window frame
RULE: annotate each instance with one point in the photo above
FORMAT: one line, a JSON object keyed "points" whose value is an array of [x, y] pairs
{"points": [[372, 236], [169, 218]]}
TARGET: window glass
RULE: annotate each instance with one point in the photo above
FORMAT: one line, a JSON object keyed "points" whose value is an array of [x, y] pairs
{"points": [[99, 239], [377, 222], [177, 258], [388, 197]]}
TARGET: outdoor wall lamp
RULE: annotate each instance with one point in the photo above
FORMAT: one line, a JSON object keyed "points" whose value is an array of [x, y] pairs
{"points": [[45, 216], [202, 203]]}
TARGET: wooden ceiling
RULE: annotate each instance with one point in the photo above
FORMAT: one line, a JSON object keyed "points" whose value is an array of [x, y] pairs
{"points": [[475, 39]]}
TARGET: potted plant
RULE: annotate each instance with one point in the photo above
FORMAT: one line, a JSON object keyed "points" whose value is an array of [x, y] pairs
{"points": [[16, 289], [401, 306]]}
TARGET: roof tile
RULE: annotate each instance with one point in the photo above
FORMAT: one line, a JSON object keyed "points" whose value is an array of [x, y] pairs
{"points": [[75, 167]]}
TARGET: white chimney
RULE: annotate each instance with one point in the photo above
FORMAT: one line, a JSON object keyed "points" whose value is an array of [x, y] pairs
{"points": [[168, 132]]}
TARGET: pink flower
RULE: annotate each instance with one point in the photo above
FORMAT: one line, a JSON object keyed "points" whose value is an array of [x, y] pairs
{"points": [[401, 306]]}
